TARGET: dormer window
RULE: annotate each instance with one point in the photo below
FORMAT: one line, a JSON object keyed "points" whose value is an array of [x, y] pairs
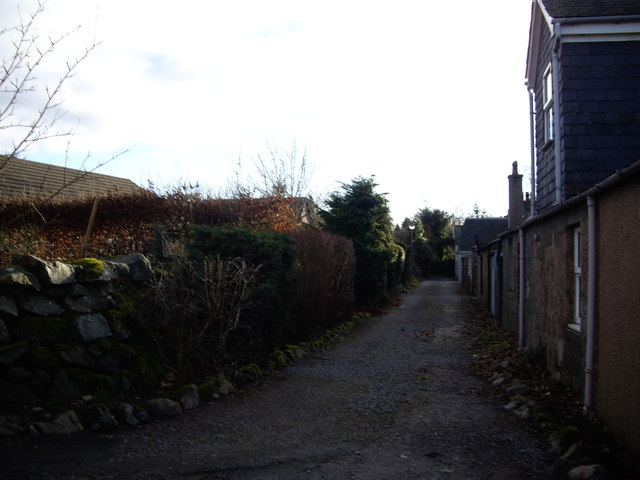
{"points": [[547, 103]]}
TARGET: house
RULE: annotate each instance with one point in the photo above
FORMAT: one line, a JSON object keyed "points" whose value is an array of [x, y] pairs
{"points": [[569, 270], [34, 180], [474, 233]]}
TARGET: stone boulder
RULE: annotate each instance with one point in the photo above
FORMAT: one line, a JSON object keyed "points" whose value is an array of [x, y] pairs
{"points": [[54, 273], [8, 306], [139, 266], [164, 407], [16, 278], [39, 305], [92, 327], [64, 424]]}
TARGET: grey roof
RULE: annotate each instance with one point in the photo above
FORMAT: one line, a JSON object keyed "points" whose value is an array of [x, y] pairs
{"points": [[591, 8], [480, 231], [34, 180]]}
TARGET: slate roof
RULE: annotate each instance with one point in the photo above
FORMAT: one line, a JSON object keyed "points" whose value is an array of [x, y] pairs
{"points": [[591, 8], [480, 231], [27, 179]]}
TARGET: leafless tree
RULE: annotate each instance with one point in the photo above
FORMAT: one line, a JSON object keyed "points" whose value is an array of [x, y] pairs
{"points": [[20, 86], [282, 173]]}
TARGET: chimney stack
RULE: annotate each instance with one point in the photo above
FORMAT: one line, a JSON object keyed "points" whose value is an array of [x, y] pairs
{"points": [[516, 209]]}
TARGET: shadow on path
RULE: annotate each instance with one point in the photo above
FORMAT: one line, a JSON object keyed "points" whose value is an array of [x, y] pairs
{"points": [[393, 400]]}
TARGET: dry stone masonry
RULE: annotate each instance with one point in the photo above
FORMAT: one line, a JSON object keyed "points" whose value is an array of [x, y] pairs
{"points": [[64, 341]]}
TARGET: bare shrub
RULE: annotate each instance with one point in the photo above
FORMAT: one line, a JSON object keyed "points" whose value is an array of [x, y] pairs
{"points": [[324, 272], [192, 309]]}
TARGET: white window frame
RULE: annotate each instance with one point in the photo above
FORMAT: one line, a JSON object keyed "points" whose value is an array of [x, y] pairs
{"points": [[577, 277], [547, 103]]}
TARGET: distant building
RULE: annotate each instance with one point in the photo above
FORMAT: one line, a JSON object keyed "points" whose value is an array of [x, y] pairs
{"points": [[34, 180]]}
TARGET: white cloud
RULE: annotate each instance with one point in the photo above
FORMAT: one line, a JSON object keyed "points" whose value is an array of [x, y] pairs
{"points": [[427, 96]]}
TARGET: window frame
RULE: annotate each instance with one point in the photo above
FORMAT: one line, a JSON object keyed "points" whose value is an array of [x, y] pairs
{"points": [[576, 323], [547, 104]]}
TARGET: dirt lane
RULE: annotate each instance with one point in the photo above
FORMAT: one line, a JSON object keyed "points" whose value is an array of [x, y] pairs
{"points": [[393, 400]]}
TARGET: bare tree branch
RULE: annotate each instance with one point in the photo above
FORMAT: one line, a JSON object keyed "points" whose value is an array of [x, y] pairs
{"points": [[18, 77]]}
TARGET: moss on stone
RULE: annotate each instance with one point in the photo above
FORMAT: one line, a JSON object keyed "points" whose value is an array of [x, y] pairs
{"points": [[248, 373], [278, 358], [104, 345], [127, 350], [148, 367], [13, 352], [91, 267], [291, 351], [42, 327], [39, 356], [91, 382], [209, 389]]}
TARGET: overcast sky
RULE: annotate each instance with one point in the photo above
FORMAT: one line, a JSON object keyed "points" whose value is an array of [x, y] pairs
{"points": [[427, 96]]}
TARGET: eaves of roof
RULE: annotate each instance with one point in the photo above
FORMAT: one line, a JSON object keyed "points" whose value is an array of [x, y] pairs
{"points": [[581, 21], [34, 180], [604, 186]]}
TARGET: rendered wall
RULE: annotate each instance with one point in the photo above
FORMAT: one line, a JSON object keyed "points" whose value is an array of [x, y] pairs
{"points": [[618, 367]]}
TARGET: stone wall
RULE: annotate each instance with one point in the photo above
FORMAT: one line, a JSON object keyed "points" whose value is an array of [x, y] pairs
{"points": [[66, 338]]}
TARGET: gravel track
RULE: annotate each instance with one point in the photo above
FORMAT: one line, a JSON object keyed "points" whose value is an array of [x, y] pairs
{"points": [[394, 400]]}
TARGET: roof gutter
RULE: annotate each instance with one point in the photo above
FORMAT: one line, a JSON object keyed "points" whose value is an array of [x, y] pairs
{"points": [[598, 188], [610, 19]]}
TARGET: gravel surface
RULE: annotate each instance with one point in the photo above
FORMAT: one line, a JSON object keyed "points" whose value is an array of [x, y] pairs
{"points": [[394, 400]]}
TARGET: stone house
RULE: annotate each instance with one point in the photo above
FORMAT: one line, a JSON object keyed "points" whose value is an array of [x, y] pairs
{"points": [[474, 233], [569, 280]]}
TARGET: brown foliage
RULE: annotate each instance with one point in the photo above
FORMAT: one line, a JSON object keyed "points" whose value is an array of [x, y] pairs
{"points": [[55, 230]]}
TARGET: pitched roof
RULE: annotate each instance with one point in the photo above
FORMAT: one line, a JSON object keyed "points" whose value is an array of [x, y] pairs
{"points": [[480, 231], [590, 8], [26, 179]]}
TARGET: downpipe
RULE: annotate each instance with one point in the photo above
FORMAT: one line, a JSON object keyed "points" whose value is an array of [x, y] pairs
{"points": [[521, 325], [592, 276]]}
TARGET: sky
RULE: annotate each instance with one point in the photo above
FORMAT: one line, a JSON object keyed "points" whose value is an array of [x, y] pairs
{"points": [[427, 96]]}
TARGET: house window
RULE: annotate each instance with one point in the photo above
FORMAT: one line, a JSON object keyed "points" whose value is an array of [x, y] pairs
{"points": [[547, 103], [577, 276]]}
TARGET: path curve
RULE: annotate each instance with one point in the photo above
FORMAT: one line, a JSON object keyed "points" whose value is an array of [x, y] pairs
{"points": [[393, 400]]}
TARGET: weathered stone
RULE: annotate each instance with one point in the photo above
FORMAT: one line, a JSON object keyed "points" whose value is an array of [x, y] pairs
{"points": [[54, 273], [42, 329], [190, 398], [225, 386], [8, 306], [587, 472], [63, 390], [39, 305], [64, 424], [12, 353], [92, 327], [40, 381], [59, 273], [121, 269], [497, 381], [14, 373], [516, 388], [17, 395], [139, 266], [76, 355], [107, 363], [5, 336], [10, 425], [16, 277], [101, 418], [125, 413], [164, 407], [524, 411], [512, 405], [87, 303]]}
